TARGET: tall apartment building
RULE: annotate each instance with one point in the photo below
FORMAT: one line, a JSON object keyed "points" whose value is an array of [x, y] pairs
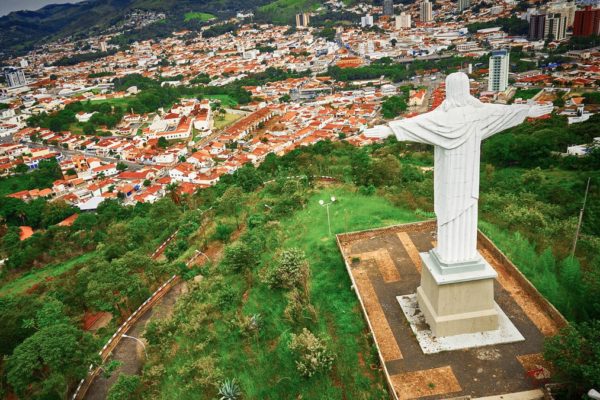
{"points": [[498, 76], [366, 21], [537, 25], [388, 7], [426, 11], [403, 21], [565, 8], [463, 5], [15, 77], [587, 22], [302, 20], [555, 26]]}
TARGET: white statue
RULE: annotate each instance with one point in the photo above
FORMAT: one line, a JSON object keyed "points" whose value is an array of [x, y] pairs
{"points": [[456, 129]]}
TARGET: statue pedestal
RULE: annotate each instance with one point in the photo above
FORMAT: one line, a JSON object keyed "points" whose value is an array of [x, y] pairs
{"points": [[457, 298]]}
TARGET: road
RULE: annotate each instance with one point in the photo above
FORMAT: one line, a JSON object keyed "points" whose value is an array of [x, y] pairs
{"points": [[130, 352], [131, 165]]}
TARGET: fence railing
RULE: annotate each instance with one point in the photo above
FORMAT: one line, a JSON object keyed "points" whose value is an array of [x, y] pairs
{"points": [[114, 340]]}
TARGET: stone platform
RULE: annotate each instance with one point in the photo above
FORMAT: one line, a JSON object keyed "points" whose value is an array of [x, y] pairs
{"points": [[384, 264], [507, 332]]}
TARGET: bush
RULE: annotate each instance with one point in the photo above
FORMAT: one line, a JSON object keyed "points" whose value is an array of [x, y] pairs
{"points": [[230, 390], [575, 353], [223, 232], [291, 270], [311, 352], [125, 388], [238, 257]]}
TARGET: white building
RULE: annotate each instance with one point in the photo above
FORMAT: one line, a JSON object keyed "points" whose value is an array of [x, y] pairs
{"points": [[302, 20], [14, 77], [366, 21], [555, 26], [403, 21], [83, 117], [498, 76], [388, 90], [463, 5], [426, 11], [565, 8]]}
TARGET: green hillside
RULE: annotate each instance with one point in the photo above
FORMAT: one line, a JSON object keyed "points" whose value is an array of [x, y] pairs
{"points": [[23, 30]]}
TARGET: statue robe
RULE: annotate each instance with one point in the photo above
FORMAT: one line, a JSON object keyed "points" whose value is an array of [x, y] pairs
{"points": [[457, 134]]}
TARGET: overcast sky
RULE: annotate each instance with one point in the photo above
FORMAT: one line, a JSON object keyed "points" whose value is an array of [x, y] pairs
{"points": [[7, 6]]}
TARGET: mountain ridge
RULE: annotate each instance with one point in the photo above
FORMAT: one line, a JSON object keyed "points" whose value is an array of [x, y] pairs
{"points": [[23, 30]]}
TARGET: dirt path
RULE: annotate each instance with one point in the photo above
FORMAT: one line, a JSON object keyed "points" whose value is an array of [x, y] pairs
{"points": [[129, 351]]}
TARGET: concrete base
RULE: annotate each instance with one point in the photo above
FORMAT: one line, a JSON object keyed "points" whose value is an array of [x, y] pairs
{"points": [[430, 344], [457, 299]]}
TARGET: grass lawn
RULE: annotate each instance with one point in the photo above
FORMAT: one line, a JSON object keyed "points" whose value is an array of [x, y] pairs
{"points": [[26, 281], [199, 16], [114, 102], [226, 100], [526, 94], [229, 119], [263, 365], [76, 128]]}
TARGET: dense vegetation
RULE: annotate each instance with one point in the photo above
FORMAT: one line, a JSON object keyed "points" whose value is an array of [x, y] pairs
{"points": [[513, 25], [30, 28], [83, 57]]}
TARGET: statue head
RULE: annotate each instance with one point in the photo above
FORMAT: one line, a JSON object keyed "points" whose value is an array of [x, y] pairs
{"points": [[458, 92]]}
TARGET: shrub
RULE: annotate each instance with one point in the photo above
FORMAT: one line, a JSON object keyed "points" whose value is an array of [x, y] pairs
{"points": [[312, 354], [230, 390], [291, 270], [223, 232], [575, 352], [251, 325], [297, 304], [238, 257], [125, 388]]}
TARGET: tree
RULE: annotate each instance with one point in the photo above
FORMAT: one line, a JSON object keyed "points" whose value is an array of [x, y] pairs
{"points": [[126, 387], [121, 166], [173, 189], [230, 202], [248, 178], [114, 286], [360, 163], [575, 354], [21, 168], [393, 106], [52, 360], [162, 142], [239, 257]]}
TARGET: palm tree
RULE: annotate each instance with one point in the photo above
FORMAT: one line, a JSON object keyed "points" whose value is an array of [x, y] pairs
{"points": [[172, 188]]}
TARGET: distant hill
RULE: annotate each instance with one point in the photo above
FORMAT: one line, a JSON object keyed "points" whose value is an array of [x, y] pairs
{"points": [[21, 31]]}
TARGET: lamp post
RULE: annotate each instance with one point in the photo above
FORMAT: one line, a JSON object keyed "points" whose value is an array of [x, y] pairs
{"points": [[139, 341], [326, 205]]}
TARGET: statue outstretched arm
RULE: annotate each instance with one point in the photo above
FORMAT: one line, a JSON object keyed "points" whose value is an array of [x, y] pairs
{"points": [[501, 117], [403, 129]]}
